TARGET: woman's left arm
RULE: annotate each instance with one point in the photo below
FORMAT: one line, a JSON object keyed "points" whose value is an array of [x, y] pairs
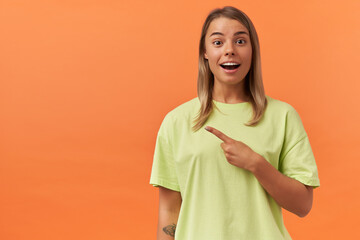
{"points": [[287, 192]]}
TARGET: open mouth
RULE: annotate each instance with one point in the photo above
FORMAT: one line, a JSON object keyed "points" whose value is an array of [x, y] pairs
{"points": [[230, 67]]}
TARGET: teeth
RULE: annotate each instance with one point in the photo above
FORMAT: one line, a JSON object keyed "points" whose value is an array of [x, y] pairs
{"points": [[229, 64]]}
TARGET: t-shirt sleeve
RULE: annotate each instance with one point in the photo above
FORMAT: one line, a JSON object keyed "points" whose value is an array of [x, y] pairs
{"points": [[163, 171], [296, 158]]}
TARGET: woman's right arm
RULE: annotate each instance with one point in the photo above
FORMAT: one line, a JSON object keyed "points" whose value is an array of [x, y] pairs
{"points": [[169, 208]]}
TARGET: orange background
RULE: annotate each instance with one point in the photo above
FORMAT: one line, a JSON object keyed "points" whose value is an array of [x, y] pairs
{"points": [[84, 86]]}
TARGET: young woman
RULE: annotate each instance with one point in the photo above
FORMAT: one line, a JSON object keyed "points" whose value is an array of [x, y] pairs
{"points": [[227, 161]]}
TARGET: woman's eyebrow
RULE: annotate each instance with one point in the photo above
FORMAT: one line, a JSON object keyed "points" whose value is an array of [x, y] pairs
{"points": [[235, 34]]}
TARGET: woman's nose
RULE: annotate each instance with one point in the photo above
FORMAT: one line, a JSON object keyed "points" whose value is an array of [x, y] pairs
{"points": [[229, 50]]}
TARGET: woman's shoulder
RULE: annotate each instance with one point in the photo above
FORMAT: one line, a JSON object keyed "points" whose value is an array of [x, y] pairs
{"points": [[191, 107], [185, 109], [278, 106]]}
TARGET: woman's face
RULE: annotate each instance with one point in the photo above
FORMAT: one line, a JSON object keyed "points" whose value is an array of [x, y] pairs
{"points": [[228, 41]]}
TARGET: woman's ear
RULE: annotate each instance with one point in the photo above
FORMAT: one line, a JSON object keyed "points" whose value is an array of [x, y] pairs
{"points": [[205, 56]]}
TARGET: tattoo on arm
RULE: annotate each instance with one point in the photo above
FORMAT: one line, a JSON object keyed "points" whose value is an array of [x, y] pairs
{"points": [[170, 230]]}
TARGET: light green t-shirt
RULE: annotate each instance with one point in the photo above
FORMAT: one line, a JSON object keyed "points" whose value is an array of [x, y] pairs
{"points": [[221, 201]]}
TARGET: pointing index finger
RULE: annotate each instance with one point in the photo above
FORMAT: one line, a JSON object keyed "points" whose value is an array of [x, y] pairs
{"points": [[219, 134]]}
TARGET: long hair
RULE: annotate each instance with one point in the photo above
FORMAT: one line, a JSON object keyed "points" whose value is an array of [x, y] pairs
{"points": [[253, 80]]}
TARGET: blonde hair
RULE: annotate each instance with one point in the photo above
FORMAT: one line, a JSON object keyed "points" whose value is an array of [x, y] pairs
{"points": [[253, 80]]}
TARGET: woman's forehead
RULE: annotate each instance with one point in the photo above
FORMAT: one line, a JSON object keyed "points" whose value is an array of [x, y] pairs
{"points": [[224, 26]]}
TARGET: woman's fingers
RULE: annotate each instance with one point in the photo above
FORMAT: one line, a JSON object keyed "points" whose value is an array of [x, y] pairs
{"points": [[219, 134]]}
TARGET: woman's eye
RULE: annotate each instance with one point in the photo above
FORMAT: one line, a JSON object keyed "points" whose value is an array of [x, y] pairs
{"points": [[217, 43], [243, 41]]}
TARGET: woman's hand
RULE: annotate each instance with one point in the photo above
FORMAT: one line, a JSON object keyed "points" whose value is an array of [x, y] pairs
{"points": [[287, 192], [236, 152]]}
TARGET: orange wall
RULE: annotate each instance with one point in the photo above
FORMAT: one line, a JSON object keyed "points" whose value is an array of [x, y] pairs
{"points": [[84, 86]]}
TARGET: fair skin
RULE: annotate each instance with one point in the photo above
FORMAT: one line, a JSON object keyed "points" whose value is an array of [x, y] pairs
{"points": [[169, 209], [228, 40]]}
